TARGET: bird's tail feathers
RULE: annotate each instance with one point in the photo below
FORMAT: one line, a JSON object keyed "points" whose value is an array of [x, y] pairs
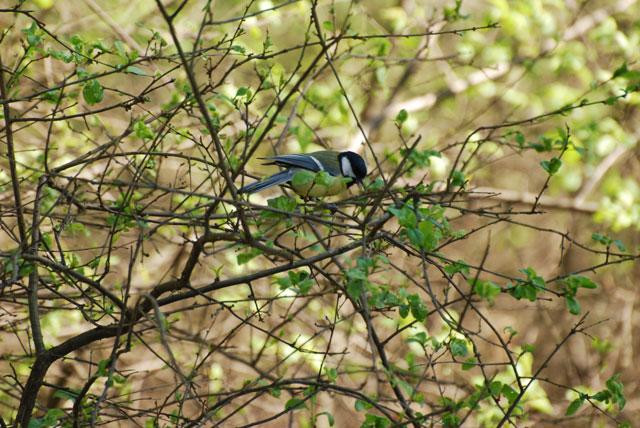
{"points": [[279, 178]]}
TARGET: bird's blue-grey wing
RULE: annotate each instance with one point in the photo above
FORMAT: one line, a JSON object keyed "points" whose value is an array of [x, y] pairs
{"points": [[296, 161], [279, 178]]}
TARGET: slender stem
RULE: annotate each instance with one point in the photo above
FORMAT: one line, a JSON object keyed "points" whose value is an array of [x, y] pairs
{"points": [[34, 318], [15, 183]]}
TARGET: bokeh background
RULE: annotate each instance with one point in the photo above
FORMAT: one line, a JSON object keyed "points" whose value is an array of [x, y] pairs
{"points": [[500, 92]]}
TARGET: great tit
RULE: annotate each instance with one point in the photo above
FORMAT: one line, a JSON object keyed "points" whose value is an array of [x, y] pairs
{"points": [[317, 174]]}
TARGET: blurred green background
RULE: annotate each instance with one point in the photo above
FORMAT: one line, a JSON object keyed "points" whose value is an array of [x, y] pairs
{"points": [[549, 68]]}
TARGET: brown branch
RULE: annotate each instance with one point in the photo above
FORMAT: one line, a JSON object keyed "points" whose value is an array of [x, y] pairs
{"points": [[15, 180], [577, 328]]}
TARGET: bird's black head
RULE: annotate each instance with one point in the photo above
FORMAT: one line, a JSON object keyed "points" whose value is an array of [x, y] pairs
{"points": [[352, 165]]}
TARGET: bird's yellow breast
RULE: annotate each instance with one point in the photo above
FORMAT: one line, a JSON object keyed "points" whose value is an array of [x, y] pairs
{"points": [[311, 184]]}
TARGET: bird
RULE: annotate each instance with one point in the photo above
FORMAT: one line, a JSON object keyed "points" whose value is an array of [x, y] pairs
{"points": [[316, 174]]}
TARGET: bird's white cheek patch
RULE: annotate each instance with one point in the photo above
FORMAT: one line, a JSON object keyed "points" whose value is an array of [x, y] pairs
{"points": [[345, 166]]}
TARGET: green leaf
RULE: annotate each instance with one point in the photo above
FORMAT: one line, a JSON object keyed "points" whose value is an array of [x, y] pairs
{"points": [[99, 46], [331, 373], [82, 73], [281, 203], [574, 406], [420, 158], [544, 144], [52, 96], [375, 421], [431, 234], [495, 387], [469, 363], [362, 405], [275, 392], [295, 404], [135, 70], [357, 273], [573, 282], [623, 71], [524, 290], [620, 71], [102, 367], [603, 346], [66, 394], [416, 237], [603, 396], [33, 34], [457, 266], [76, 229], [303, 287], [551, 166], [267, 43], [453, 13], [405, 215], [420, 337], [616, 387], [330, 418], [92, 92], [509, 392], [304, 135], [488, 290], [120, 49], [355, 289], [528, 347], [528, 289], [450, 420], [426, 236], [458, 179], [243, 92], [402, 116], [151, 423], [381, 297], [458, 347], [64, 56], [243, 258], [404, 385], [611, 100], [403, 311], [53, 415], [620, 245], [300, 281], [358, 277], [418, 309], [572, 304], [142, 131], [602, 239]]}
